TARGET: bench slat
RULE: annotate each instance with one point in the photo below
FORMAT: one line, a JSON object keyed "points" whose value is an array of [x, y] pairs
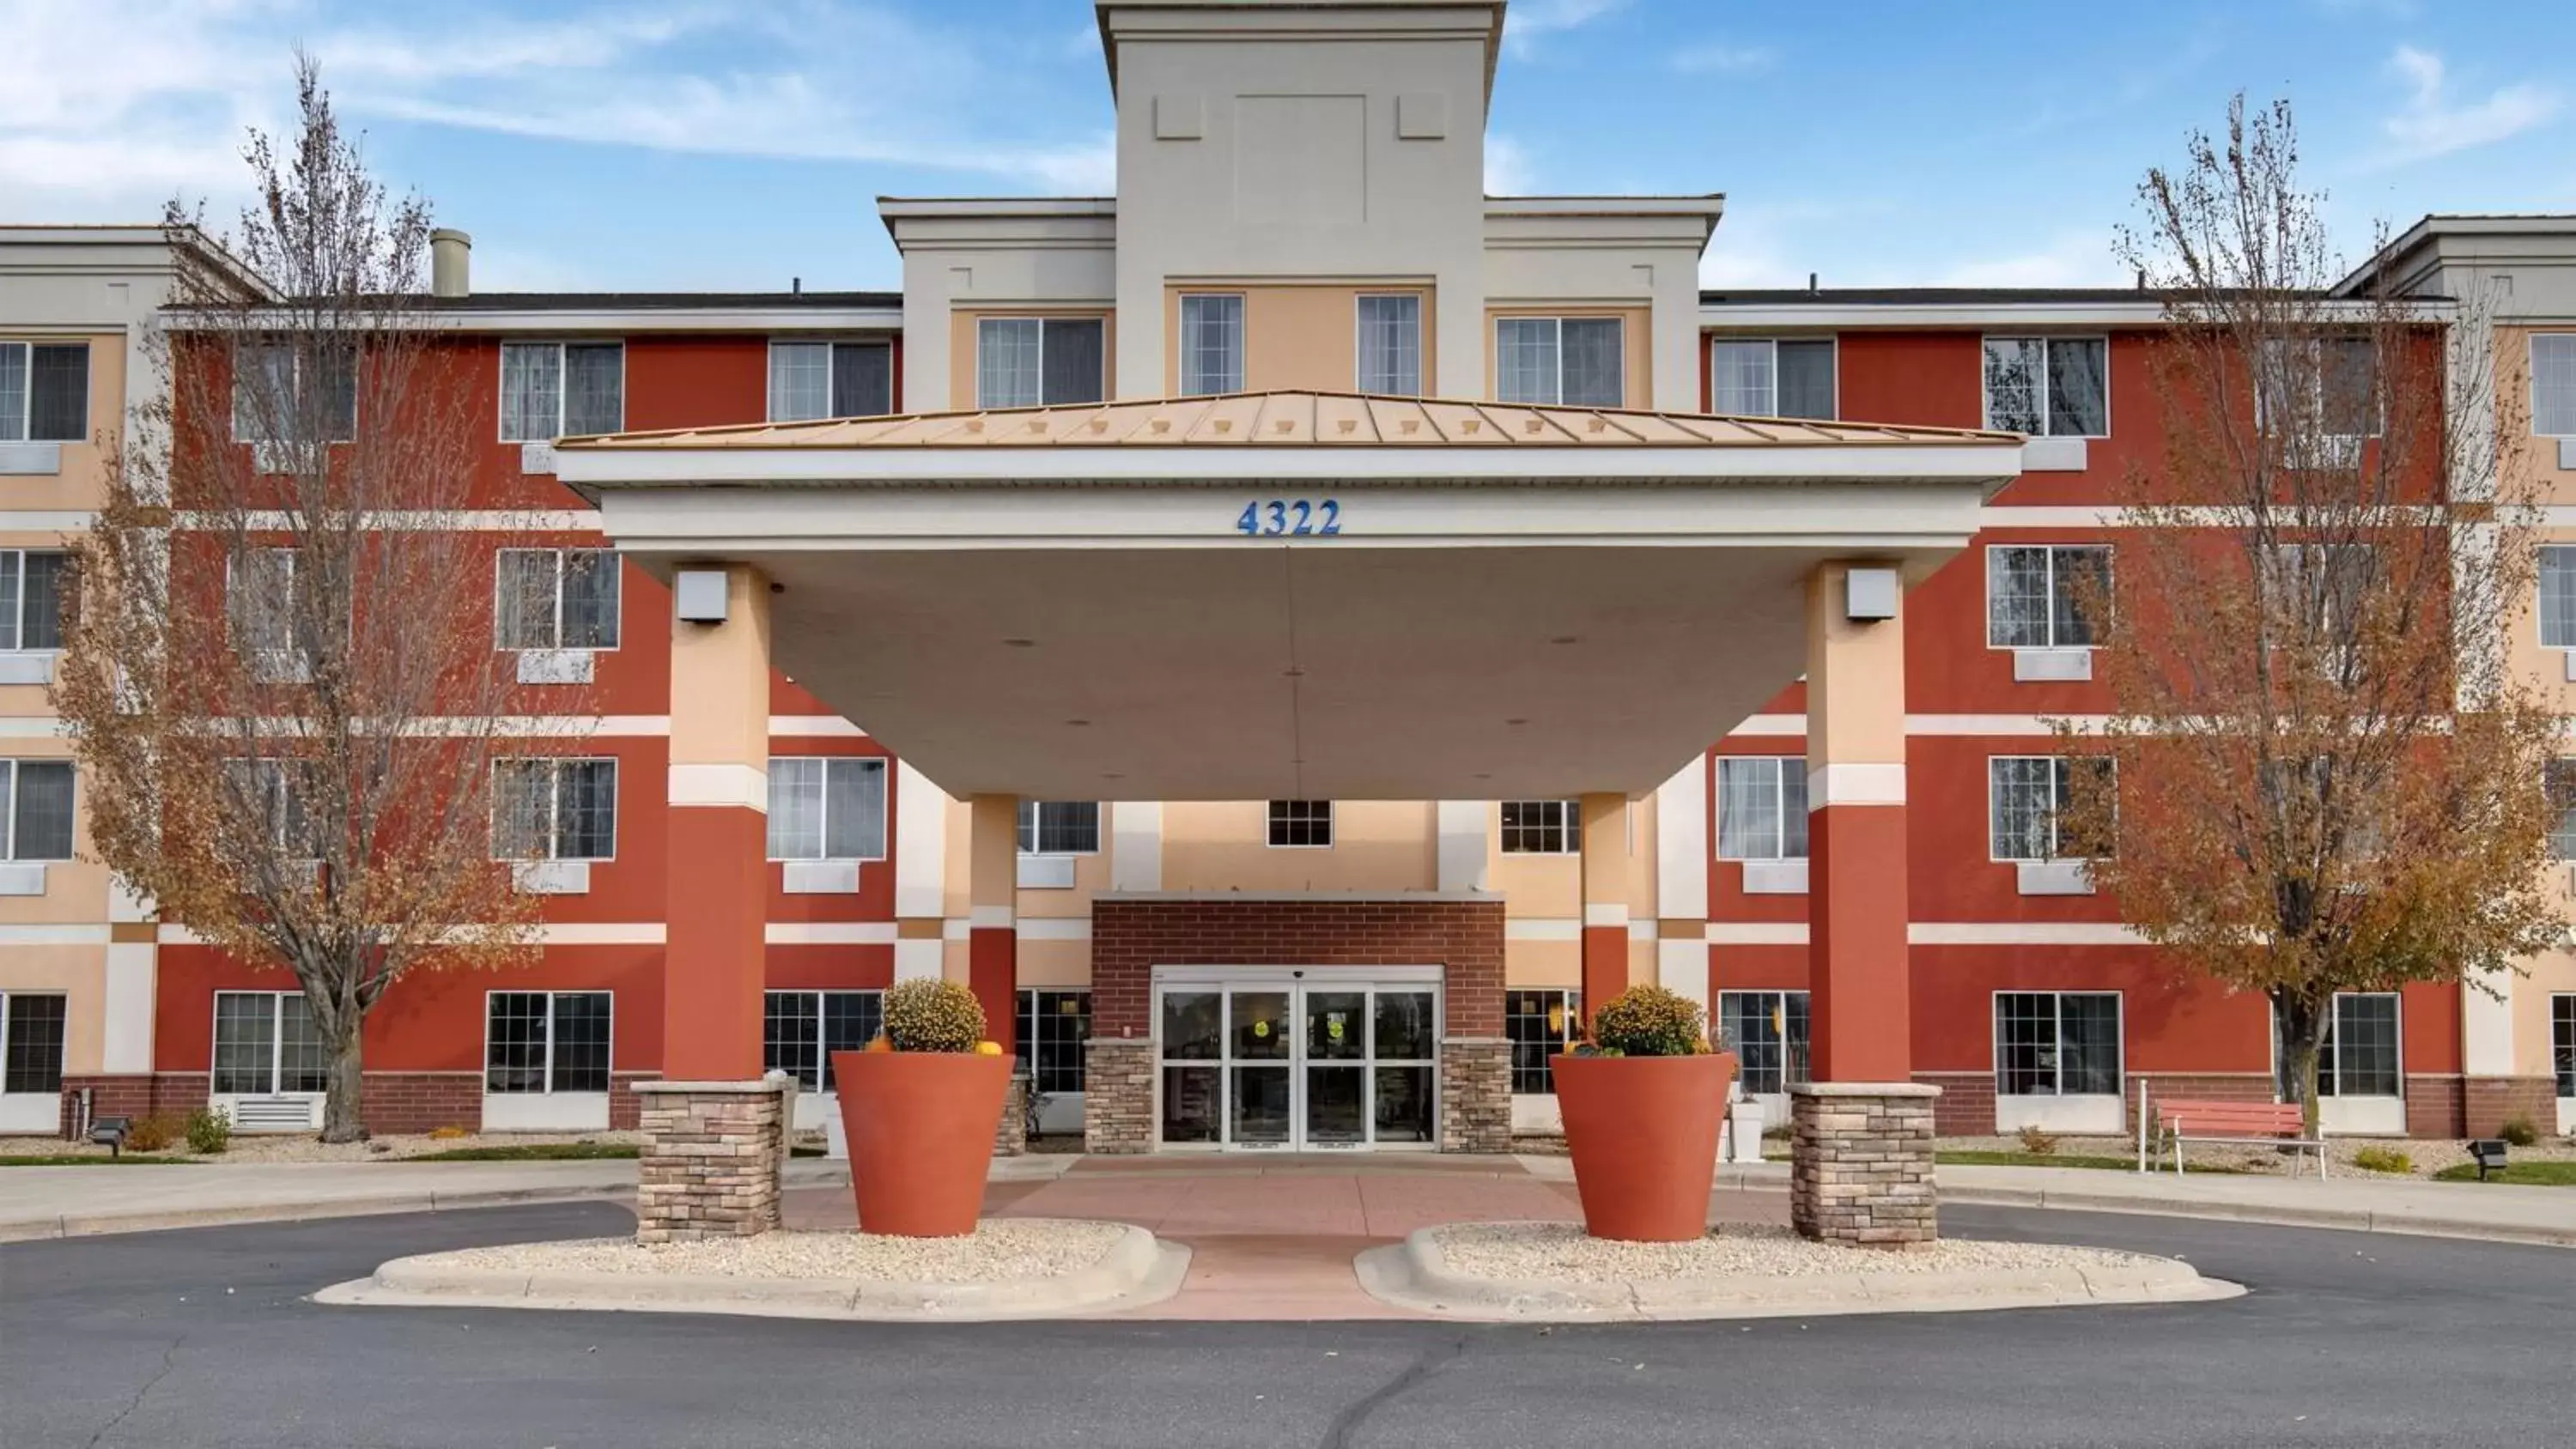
{"points": [[2241, 1119]]}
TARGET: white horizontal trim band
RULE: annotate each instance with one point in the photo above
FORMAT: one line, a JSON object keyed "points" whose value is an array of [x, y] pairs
{"points": [[546, 933], [1055, 928], [1757, 933], [53, 934], [991, 918], [1542, 928], [450, 520], [1872, 784], [2021, 933], [714, 785], [829, 933], [1604, 913]]}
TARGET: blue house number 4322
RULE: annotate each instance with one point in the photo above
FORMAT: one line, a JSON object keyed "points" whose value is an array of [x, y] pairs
{"points": [[1290, 518]]}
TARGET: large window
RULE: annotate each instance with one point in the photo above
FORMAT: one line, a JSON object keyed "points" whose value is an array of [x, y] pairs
{"points": [[1770, 1032], [801, 1029], [2562, 1040], [1763, 377], [810, 380], [555, 598], [31, 1042], [2036, 594], [44, 392], [267, 617], [2553, 384], [1575, 361], [2056, 387], [545, 809], [1762, 807], [2558, 597], [33, 584], [1026, 362], [1059, 827], [827, 809], [1540, 1024], [266, 1043], [1053, 1027], [2026, 796], [1211, 343], [545, 1041], [2357, 1056], [2057, 1043], [35, 809], [555, 390], [1390, 360], [276, 792], [2560, 781], [2322, 389], [1542, 827], [286, 393], [1298, 824]]}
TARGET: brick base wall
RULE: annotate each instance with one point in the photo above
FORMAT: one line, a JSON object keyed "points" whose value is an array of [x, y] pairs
{"points": [[1966, 1106], [167, 1094], [1860, 1164], [2435, 1106], [1475, 1094], [1129, 938], [1118, 1095], [625, 1109], [2490, 1102], [396, 1102], [422, 1101]]}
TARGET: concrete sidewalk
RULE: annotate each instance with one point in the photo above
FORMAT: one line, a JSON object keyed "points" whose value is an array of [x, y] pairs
{"points": [[2369, 1204], [64, 1202]]}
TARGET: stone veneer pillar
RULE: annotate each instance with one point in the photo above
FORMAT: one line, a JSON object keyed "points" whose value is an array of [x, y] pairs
{"points": [[1475, 1094], [1861, 1163], [711, 1159], [1011, 1134], [1118, 1095]]}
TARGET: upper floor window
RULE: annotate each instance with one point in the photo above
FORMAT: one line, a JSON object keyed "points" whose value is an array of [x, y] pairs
{"points": [[2324, 388], [1390, 361], [830, 380], [2560, 782], [1761, 377], [546, 809], [1573, 361], [1762, 807], [2553, 384], [2558, 597], [1542, 827], [44, 392], [271, 622], [33, 584], [278, 790], [555, 390], [1059, 827], [1211, 343], [555, 598], [827, 809], [1026, 362], [2057, 387], [2036, 594], [287, 393], [35, 809], [2027, 796], [1301, 823]]}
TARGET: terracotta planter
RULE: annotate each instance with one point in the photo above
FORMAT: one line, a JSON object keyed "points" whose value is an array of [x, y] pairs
{"points": [[920, 1127], [1643, 1135]]}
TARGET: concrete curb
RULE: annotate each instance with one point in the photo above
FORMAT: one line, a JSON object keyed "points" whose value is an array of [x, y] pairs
{"points": [[86, 1225], [1138, 1269], [2357, 1220], [1415, 1275]]}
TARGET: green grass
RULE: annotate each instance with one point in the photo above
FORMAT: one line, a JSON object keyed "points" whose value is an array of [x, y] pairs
{"points": [[1965, 1157], [531, 1152], [2526, 1174], [84, 1159]]}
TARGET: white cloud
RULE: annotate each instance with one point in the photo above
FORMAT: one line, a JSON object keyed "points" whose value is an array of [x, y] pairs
{"points": [[1719, 58], [2071, 259], [2432, 124], [1526, 23]]}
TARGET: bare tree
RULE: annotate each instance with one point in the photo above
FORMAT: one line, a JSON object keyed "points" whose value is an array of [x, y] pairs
{"points": [[280, 678], [2328, 778]]}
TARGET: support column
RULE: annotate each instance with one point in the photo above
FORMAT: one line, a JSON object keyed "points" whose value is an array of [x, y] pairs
{"points": [[993, 943], [1607, 871]]}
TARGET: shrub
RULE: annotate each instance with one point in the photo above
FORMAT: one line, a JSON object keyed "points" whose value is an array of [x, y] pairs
{"points": [[1650, 1021], [209, 1131], [2518, 1132], [448, 1133], [2383, 1159], [151, 1134], [2036, 1142], [927, 1014]]}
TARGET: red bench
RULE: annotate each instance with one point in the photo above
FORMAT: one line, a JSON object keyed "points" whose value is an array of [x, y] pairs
{"points": [[2238, 1122]]}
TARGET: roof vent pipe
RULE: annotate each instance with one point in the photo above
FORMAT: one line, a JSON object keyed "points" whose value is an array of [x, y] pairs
{"points": [[450, 252], [796, 286], [2142, 279], [1811, 284]]}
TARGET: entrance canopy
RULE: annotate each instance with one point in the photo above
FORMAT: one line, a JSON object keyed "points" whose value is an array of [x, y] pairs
{"points": [[1292, 595]]}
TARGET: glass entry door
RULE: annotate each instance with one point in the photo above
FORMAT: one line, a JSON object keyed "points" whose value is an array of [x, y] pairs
{"points": [[1264, 1059]]}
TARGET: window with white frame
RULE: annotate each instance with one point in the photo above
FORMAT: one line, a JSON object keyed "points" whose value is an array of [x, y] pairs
{"points": [[273, 794], [551, 809], [2036, 594], [289, 392], [555, 598], [2318, 585], [1300, 824], [799, 1031], [2057, 1043], [827, 808], [1542, 827], [2560, 781], [266, 1043], [33, 586], [1026, 362], [1770, 1031], [1762, 807], [1390, 360], [1540, 1023], [2318, 389], [1211, 343], [2553, 384], [1054, 1024], [555, 390], [35, 810], [31, 1041], [2562, 1041], [2358, 1054], [44, 392], [2558, 597], [1572, 361], [1766, 377], [2027, 796], [261, 602], [2055, 387], [809, 380], [545, 1041], [1059, 827]]}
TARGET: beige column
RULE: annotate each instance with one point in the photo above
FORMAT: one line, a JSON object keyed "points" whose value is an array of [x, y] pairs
{"points": [[1609, 893], [993, 928], [718, 857]]}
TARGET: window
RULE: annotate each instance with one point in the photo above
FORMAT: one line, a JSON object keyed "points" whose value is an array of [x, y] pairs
{"points": [[1301, 823], [1762, 807], [44, 392], [1390, 360], [1539, 1025], [1053, 1027], [35, 809], [270, 619], [555, 598], [2319, 586], [1761, 377], [801, 1029], [545, 1041], [266, 1043], [275, 792], [1770, 1031], [1026, 362], [1211, 344], [1059, 827], [2357, 1055], [2561, 784], [2057, 1043], [2054, 387], [554, 809], [2320, 389], [1574, 361], [1542, 827], [830, 380], [31, 1043], [33, 586], [827, 809], [2553, 384], [2562, 1041], [2026, 794], [2035, 595], [555, 390], [286, 393], [2558, 597]]}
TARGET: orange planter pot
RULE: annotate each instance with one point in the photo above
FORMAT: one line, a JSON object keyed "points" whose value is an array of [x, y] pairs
{"points": [[1643, 1135], [920, 1127]]}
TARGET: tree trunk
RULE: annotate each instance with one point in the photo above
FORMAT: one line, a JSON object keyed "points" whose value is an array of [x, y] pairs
{"points": [[344, 1108], [2302, 1026]]}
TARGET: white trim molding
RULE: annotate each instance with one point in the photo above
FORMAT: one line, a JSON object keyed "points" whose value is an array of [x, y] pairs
{"points": [[745, 786], [1850, 784], [1757, 933]]}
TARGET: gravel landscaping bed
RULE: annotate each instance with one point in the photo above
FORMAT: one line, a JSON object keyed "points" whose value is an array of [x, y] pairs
{"points": [[306, 1147], [1562, 1251], [1001, 1250], [2428, 1154]]}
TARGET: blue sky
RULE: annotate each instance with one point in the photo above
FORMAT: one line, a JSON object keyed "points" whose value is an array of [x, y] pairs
{"points": [[691, 144]]}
